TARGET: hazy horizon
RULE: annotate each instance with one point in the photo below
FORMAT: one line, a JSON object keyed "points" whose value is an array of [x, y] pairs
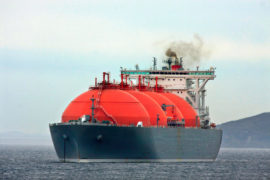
{"points": [[51, 51]]}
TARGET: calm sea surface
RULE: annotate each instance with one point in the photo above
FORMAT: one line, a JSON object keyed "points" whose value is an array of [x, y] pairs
{"points": [[40, 162]]}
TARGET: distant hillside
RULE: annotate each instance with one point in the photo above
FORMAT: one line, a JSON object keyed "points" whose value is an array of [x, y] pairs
{"points": [[248, 132]]}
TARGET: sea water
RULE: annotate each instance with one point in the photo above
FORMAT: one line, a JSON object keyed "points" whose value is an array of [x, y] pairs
{"points": [[41, 162]]}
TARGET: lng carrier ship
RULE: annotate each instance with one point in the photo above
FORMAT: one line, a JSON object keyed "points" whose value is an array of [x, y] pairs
{"points": [[150, 116]]}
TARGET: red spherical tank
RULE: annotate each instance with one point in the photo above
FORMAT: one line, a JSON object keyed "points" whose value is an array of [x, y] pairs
{"points": [[113, 105], [125, 107]]}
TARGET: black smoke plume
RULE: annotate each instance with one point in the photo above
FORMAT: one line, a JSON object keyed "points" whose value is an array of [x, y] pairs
{"points": [[192, 52], [170, 53]]}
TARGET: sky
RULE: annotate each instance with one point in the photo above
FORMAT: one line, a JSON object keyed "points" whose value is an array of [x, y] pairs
{"points": [[51, 51]]}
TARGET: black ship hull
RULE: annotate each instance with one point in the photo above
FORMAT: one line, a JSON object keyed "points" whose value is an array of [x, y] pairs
{"points": [[85, 142]]}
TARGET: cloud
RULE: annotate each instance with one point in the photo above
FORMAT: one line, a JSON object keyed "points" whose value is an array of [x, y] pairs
{"points": [[226, 49], [82, 34], [92, 33]]}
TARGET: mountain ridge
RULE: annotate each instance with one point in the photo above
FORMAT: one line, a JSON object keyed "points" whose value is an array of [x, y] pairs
{"points": [[249, 132]]}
